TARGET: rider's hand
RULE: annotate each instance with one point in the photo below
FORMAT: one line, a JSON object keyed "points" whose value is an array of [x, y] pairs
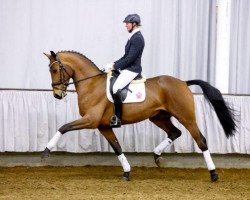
{"points": [[108, 67]]}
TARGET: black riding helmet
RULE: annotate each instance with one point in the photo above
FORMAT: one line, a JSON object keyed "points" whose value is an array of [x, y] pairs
{"points": [[133, 18]]}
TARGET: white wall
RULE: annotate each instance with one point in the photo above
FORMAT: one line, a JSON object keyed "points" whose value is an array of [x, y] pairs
{"points": [[179, 36]]}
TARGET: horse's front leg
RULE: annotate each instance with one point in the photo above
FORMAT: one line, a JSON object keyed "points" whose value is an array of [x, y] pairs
{"points": [[110, 136], [84, 122]]}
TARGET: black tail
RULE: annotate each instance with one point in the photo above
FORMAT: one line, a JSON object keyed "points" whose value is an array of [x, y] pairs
{"points": [[224, 113]]}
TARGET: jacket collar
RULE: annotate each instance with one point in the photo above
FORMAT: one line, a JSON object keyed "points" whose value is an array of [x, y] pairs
{"points": [[133, 32]]}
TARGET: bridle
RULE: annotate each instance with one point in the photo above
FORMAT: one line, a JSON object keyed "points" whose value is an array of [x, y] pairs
{"points": [[63, 80], [62, 76]]}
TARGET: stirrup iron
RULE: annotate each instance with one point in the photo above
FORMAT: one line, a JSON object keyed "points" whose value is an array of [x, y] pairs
{"points": [[115, 122]]}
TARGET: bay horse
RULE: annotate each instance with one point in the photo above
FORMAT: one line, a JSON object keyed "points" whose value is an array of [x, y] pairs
{"points": [[166, 96]]}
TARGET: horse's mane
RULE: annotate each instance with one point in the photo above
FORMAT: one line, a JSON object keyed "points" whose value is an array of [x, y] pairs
{"points": [[80, 54]]}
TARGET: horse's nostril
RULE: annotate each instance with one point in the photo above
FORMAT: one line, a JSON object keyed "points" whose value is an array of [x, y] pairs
{"points": [[57, 96]]}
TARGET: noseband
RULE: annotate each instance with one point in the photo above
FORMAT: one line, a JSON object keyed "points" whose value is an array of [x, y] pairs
{"points": [[63, 78]]}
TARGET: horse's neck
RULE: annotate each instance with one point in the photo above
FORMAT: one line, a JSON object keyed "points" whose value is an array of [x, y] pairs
{"points": [[84, 70]]}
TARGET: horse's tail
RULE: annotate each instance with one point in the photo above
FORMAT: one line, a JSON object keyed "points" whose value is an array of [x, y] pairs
{"points": [[223, 111]]}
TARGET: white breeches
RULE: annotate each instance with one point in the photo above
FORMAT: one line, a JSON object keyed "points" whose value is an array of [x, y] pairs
{"points": [[123, 79]]}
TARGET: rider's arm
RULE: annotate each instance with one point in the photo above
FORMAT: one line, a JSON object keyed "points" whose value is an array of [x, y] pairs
{"points": [[134, 51]]}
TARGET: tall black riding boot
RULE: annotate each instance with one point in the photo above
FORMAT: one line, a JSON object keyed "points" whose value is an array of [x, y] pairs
{"points": [[115, 121]]}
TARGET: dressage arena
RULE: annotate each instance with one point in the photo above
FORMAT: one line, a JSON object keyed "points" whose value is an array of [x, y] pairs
{"points": [[182, 177], [104, 183], [55, 138], [39, 181]]}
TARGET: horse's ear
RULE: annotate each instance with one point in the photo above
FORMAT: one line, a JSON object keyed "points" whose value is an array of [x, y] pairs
{"points": [[53, 54], [48, 56]]}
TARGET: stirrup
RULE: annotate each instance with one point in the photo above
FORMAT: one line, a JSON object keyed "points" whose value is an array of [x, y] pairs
{"points": [[115, 122]]}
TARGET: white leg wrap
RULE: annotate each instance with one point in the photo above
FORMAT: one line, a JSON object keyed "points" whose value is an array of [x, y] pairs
{"points": [[159, 149], [208, 159], [124, 162], [52, 143]]}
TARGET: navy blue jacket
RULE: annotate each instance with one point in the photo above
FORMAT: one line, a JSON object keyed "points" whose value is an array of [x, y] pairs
{"points": [[133, 52]]}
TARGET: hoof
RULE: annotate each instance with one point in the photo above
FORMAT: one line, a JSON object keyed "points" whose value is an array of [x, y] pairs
{"points": [[45, 154], [158, 160], [214, 176], [125, 176]]}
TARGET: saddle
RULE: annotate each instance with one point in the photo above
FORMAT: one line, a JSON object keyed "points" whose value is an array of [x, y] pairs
{"points": [[133, 92]]}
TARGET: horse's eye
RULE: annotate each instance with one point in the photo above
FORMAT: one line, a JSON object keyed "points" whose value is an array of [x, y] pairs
{"points": [[54, 71]]}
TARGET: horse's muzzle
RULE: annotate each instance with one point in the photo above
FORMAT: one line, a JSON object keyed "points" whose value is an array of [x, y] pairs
{"points": [[59, 93], [58, 96]]}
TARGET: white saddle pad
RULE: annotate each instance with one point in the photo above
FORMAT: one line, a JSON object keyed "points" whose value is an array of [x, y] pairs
{"points": [[136, 91]]}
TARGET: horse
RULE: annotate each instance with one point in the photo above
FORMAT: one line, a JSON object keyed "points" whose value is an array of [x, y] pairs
{"points": [[166, 97]]}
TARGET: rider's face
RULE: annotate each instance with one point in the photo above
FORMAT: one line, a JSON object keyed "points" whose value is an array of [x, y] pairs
{"points": [[129, 26]]}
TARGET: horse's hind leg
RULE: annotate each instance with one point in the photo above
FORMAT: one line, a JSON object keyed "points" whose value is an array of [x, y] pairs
{"points": [[110, 136], [202, 144], [162, 120], [182, 108]]}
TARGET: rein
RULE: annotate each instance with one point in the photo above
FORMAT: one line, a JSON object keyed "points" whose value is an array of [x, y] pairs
{"points": [[84, 79], [62, 76]]}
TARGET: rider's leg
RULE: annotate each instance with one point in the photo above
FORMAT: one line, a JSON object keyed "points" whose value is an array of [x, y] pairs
{"points": [[122, 81], [115, 120]]}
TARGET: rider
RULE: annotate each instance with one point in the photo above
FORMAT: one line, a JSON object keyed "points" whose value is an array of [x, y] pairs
{"points": [[129, 65]]}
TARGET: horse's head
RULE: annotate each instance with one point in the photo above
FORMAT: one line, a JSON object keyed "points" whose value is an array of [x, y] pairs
{"points": [[59, 75]]}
